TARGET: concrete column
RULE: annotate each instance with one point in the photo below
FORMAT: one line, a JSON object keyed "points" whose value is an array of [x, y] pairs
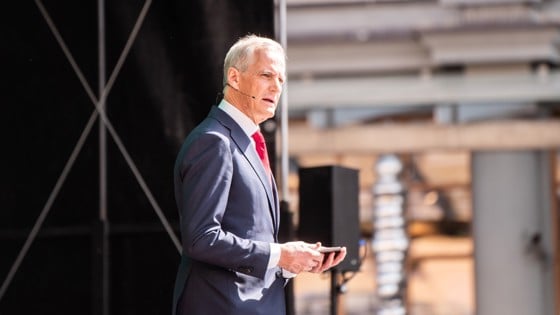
{"points": [[512, 231]]}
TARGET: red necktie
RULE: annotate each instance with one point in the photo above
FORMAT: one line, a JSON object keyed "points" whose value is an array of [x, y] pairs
{"points": [[261, 150]]}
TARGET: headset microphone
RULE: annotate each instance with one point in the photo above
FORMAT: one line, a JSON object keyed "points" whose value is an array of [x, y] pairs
{"points": [[242, 93]]}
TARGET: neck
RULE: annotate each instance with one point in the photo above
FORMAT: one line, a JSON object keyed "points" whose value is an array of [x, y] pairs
{"points": [[242, 105]]}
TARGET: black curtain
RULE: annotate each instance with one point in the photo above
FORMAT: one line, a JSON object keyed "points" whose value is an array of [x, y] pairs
{"points": [[167, 84]]}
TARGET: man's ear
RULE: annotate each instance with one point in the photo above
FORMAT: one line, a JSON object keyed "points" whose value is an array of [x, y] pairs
{"points": [[233, 77]]}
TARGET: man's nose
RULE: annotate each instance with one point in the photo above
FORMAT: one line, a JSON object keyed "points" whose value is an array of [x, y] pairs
{"points": [[277, 85]]}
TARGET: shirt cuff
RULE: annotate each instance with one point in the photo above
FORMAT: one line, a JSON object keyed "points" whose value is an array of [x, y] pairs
{"points": [[288, 275], [274, 255], [275, 258]]}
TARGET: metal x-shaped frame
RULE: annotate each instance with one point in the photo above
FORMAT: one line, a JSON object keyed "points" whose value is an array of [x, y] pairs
{"points": [[98, 111]]}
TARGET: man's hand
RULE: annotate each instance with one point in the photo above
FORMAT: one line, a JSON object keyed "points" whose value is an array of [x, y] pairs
{"points": [[297, 257], [330, 260]]}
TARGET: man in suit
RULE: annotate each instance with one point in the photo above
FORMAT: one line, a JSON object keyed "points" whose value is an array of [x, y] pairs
{"points": [[232, 262]]}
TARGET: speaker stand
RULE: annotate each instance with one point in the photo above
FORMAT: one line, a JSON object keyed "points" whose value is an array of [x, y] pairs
{"points": [[335, 292]]}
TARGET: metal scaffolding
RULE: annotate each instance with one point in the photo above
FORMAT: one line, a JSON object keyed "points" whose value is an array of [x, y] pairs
{"points": [[100, 103]]}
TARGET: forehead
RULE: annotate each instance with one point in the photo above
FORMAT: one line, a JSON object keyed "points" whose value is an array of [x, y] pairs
{"points": [[268, 59]]}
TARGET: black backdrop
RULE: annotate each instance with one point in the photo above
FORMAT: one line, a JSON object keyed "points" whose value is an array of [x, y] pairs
{"points": [[167, 84]]}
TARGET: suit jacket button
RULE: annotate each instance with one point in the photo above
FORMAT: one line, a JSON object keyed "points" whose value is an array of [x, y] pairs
{"points": [[245, 269]]}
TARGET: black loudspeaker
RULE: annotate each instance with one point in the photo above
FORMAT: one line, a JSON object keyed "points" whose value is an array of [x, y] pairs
{"points": [[329, 210]]}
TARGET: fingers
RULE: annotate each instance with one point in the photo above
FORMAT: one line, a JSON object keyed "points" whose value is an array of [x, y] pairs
{"points": [[324, 262], [316, 269], [305, 247], [332, 260], [313, 246], [327, 262], [317, 264], [297, 257], [340, 257], [311, 266], [305, 257]]}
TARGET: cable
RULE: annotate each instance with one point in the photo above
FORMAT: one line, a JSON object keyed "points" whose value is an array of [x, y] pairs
{"points": [[341, 288]]}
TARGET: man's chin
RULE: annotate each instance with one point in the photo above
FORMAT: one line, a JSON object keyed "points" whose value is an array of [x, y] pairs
{"points": [[269, 113]]}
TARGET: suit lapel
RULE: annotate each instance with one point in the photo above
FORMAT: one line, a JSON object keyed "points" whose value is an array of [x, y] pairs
{"points": [[243, 142]]}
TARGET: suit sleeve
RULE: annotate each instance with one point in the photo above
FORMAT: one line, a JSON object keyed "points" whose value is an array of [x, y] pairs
{"points": [[205, 176]]}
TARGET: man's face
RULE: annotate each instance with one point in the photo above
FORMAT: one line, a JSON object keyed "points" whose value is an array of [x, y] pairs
{"points": [[263, 79]]}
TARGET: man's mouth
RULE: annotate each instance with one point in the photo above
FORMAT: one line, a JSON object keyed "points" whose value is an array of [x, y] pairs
{"points": [[270, 100]]}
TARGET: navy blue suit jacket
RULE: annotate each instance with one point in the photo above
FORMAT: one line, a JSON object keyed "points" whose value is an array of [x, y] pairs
{"points": [[229, 215]]}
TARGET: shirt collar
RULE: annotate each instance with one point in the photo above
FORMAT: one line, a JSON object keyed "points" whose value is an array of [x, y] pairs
{"points": [[239, 117]]}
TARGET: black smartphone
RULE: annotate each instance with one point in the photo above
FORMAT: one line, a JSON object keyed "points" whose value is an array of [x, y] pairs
{"points": [[326, 249]]}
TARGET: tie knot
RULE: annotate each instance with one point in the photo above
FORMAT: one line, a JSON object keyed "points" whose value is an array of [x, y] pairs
{"points": [[260, 144], [258, 137]]}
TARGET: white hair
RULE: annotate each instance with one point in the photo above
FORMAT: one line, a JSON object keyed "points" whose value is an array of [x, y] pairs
{"points": [[241, 53]]}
